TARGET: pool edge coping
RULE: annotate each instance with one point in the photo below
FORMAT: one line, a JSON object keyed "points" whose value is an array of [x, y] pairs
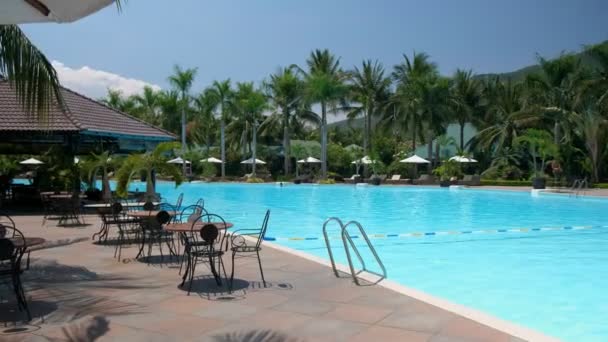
{"points": [[481, 317]]}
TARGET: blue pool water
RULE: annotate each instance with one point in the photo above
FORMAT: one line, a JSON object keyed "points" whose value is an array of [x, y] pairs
{"points": [[554, 281]]}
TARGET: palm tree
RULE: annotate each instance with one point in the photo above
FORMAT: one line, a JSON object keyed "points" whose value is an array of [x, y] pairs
{"points": [[504, 106], [284, 90], [370, 89], [148, 103], [249, 104], [101, 162], [325, 85], [223, 97], [169, 104], [113, 99], [204, 124], [182, 81], [419, 98], [465, 99], [28, 69], [592, 127], [552, 93], [149, 162]]}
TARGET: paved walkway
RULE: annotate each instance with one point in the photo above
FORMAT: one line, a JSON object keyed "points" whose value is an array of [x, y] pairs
{"points": [[79, 292]]}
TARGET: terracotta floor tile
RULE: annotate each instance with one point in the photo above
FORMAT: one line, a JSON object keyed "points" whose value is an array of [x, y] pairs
{"points": [[385, 334], [358, 313]]}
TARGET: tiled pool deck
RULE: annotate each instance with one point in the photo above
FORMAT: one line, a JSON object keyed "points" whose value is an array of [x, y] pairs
{"points": [[79, 292]]}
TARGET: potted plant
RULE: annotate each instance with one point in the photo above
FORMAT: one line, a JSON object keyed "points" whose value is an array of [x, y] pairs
{"points": [[446, 171], [541, 147]]}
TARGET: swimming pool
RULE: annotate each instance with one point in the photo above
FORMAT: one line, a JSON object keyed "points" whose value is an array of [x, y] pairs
{"points": [[541, 262]]}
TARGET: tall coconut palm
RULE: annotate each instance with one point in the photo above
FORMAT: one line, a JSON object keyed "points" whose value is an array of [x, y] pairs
{"points": [[113, 99], [552, 93], [324, 85], [465, 99], [204, 123], [148, 103], [182, 81], [369, 88], [411, 104], [249, 103], [284, 91], [222, 91], [592, 128], [504, 106]]}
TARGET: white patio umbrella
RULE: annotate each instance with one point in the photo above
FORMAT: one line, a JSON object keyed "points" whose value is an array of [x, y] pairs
{"points": [[178, 160], [251, 161], [308, 160], [414, 160], [76, 160], [463, 159], [365, 160], [31, 161], [212, 160], [14, 12]]}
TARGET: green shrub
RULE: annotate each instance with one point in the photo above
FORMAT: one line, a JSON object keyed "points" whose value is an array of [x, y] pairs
{"points": [[208, 170], [601, 185], [502, 182], [255, 180], [327, 181]]}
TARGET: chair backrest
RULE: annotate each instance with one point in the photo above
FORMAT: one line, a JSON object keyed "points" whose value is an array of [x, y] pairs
{"points": [[190, 213], [396, 177], [425, 177], [7, 226], [263, 229], [467, 178], [220, 224], [116, 209], [200, 203], [149, 206], [209, 233], [12, 247], [163, 217], [180, 198]]}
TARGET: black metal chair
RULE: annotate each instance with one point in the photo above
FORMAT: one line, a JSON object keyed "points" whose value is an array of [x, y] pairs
{"points": [[12, 249], [188, 215], [149, 206], [200, 202], [205, 245], [154, 234], [128, 227], [240, 245], [180, 198]]}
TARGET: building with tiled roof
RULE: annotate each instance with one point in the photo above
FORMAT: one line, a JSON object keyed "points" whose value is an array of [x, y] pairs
{"points": [[83, 125]]}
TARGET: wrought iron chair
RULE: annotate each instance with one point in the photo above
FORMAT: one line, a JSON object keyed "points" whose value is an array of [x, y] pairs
{"points": [[149, 206], [200, 202], [180, 198], [12, 250], [188, 215], [128, 227], [154, 234], [205, 244], [240, 245]]}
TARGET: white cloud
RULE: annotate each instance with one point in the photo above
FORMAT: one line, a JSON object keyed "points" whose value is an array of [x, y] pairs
{"points": [[95, 83]]}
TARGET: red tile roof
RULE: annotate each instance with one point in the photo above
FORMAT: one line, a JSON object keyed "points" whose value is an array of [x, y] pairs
{"points": [[81, 114]]}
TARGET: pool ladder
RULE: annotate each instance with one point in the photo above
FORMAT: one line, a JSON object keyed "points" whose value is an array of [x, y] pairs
{"points": [[578, 186], [347, 240]]}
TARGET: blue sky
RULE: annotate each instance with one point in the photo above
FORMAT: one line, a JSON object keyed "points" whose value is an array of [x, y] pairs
{"points": [[248, 39]]}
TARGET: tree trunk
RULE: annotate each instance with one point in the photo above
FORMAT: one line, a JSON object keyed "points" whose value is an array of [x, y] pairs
{"points": [[286, 145], [369, 129], [430, 153], [254, 148], [414, 135], [323, 141], [106, 193], [184, 134], [556, 133], [365, 141], [150, 191], [438, 152], [223, 146], [462, 136]]}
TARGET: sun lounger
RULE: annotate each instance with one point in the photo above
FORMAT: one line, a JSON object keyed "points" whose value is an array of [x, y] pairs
{"points": [[353, 179], [470, 180], [425, 180]]}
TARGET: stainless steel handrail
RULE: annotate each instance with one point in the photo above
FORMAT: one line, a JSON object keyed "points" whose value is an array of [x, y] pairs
{"points": [[327, 243], [347, 237]]}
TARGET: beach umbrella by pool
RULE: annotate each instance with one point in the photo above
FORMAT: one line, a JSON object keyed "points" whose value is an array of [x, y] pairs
{"points": [[211, 160], [365, 160], [463, 159], [251, 161], [31, 161], [178, 160], [414, 160], [309, 160], [14, 12], [76, 160]]}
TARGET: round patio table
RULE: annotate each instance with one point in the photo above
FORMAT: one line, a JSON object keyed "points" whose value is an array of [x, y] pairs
{"points": [[148, 213], [186, 227]]}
